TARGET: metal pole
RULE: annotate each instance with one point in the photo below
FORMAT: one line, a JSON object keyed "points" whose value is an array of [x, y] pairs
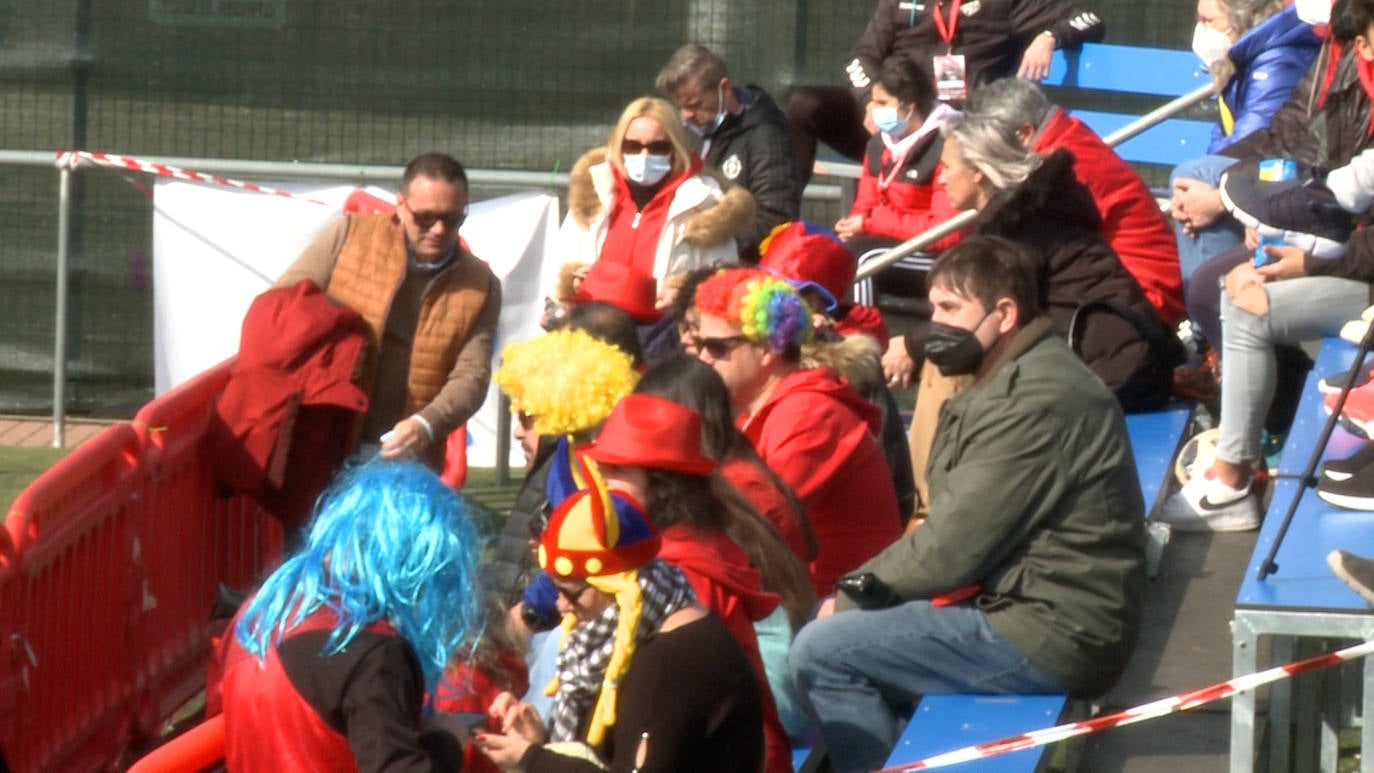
{"points": [[59, 367], [502, 439], [1117, 137]]}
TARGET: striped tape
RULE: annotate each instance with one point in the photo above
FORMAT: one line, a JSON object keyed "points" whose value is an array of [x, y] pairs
{"points": [[1152, 710], [73, 159]]}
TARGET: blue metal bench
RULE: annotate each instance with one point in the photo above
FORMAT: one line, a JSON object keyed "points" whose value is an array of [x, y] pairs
{"points": [[1148, 72], [1155, 439], [1303, 603]]}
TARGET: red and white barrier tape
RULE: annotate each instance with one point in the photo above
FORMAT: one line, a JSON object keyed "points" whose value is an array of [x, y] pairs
{"points": [[73, 158], [1152, 710]]}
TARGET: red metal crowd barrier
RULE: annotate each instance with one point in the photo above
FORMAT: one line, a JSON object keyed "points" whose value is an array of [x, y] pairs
{"points": [[68, 620], [108, 564]]}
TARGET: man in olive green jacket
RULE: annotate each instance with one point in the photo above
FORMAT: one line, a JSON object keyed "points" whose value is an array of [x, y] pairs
{"points": [[1027, 576]]}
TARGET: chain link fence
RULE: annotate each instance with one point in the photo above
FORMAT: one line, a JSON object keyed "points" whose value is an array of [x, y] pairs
{"points": [[501, 85]]}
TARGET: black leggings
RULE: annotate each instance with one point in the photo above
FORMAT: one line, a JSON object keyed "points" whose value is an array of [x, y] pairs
{"points": [[828, 114]]}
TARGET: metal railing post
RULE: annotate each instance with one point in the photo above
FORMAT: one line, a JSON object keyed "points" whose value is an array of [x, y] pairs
{"points": [[59, 366]]}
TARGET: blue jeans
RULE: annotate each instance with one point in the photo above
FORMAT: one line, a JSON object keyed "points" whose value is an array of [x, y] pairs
{"points": [[1208, 242], [1301, 309], [860, 671]]}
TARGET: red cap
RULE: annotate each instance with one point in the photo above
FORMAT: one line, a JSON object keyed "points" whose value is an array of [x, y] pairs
{"points": [[623, 287]]}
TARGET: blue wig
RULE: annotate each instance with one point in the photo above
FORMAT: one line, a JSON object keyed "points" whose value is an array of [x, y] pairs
{"points": [[389, 541]]}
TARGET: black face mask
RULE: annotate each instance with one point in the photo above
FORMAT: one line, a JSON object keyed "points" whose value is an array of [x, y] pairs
{"points": [[954, 350]]}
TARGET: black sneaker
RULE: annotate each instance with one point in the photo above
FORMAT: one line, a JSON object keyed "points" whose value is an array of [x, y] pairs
{"points": [[1303, 213], [1338, 470], [1331, 384], [1356, 492], [1355, 571]]}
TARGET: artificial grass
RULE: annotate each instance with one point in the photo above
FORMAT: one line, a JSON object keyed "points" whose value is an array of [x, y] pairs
{"points": [[18, 468]]}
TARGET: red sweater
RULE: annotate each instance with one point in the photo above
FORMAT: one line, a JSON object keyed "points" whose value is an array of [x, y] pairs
{"points": [[1132, 222]]}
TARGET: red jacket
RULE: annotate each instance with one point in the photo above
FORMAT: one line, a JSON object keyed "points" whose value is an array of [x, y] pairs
{"points": [[753, 482], [720, 573], [292, 386], [820, 437], [901, 202], [1131, 220]]}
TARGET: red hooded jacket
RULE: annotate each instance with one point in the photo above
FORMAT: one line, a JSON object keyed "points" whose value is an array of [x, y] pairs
{"points": [[820, 436], [1131, 220], [720, 573]]}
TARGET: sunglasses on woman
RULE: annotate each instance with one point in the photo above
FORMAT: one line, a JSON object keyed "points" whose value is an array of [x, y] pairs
{"points": [[655, 148], [719, 347]]}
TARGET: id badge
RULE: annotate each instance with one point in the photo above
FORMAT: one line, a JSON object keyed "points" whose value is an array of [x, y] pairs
{"points": [[950, 82]]}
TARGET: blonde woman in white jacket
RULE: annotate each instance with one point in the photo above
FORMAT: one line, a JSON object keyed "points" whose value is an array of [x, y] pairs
{"points": [[646, 200]]}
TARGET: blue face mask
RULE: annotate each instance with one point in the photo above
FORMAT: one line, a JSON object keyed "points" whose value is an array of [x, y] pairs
{"points": [[646, 168], [887, 121], [720, 116]]}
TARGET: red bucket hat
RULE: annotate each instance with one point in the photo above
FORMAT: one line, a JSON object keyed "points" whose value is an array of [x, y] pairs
{"points": [[623, 287], [809, 257], [648, 431]]}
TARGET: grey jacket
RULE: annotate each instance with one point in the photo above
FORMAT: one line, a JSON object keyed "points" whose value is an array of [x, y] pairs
{"points": [[1034, 496]]}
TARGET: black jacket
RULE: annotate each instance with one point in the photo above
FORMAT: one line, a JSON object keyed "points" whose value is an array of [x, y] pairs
{"points": [[991, 34], [752, 150], [1314, 127], [1092, 299]]}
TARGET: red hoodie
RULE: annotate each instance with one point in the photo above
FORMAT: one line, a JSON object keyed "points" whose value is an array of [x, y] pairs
{"points": [[720, 573], [820, 436], [1131, 220]]}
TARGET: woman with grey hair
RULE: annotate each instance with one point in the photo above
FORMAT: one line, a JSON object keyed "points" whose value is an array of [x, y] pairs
{"points": [[1092, 299]]}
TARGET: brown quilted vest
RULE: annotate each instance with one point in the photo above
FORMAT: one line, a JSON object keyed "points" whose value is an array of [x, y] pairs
{"points": [[370, 268]]}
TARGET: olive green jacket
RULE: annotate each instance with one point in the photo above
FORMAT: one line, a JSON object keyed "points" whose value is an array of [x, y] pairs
{"points": [[1034, 496]]}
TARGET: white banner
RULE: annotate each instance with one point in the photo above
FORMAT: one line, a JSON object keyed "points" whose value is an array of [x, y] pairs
{"points": [[214, 250]]}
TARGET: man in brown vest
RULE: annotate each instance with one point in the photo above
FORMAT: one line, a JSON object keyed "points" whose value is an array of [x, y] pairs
{"points": [[431, 306]]}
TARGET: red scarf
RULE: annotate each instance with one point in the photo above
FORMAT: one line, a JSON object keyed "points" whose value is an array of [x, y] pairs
{"points": [[1333, 60], [632, 233], [1366, 71]]}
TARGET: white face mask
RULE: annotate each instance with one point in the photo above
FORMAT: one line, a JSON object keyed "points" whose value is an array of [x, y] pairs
{"points": [[647, 169], [1210, 44], [1314, 12]]}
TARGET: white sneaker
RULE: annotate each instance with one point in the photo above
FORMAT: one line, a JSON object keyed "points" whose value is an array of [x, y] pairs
{"points": [[1206, 504]]}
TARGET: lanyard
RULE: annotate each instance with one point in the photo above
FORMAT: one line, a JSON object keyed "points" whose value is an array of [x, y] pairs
{"points": [[946, 30]]}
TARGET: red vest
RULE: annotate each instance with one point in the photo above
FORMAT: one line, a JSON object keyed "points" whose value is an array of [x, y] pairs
{"points": [[267, 724]]}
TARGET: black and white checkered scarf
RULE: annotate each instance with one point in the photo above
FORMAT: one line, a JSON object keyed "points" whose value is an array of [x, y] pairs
{"points": [[587, 652]]}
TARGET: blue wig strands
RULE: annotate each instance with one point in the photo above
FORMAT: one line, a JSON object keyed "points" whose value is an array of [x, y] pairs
{"points": [[388, 541]]}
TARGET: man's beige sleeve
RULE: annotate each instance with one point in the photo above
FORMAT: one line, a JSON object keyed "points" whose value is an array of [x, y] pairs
{"points": [[317, 261], [471, 375]]}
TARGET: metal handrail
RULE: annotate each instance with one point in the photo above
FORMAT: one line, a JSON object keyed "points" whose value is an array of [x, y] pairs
{"points": [[962, 219]]}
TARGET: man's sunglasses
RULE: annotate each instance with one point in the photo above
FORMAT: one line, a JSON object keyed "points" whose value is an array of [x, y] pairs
{"points": [[426, 220], [656, 148], [720, 347]]}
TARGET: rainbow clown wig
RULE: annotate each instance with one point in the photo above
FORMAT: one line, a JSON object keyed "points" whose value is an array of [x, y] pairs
{"points": [[567, 380], [765, 308], [389, 541]]}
